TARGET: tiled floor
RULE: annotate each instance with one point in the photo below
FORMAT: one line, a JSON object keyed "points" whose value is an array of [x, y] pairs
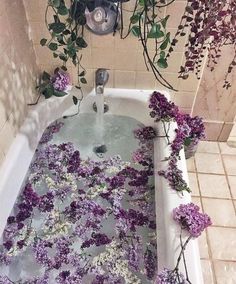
{"points": [[212, 175]]}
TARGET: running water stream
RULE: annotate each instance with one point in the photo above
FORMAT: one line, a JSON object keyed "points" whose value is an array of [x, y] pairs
{"points": [[100, 147]]}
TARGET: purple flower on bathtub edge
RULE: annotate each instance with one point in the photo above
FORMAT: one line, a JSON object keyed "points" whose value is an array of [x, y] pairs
{"points": [[190, 219], [145, 133], [60, 81]]}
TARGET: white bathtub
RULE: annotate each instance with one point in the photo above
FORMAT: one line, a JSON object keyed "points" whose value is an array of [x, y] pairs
{"points": [[132, 103]]}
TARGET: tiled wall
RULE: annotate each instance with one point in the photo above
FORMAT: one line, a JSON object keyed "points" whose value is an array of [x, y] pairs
{"points": [[123, 57], [17, 72], [216, 104]]}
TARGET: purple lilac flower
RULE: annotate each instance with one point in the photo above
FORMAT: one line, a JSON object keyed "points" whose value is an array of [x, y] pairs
{"points": [[167, 276], [145, 133], [197, 128], [40, 250], [5, 280], [190, 219], [174, 176], [60, 81], [50, 130], [150, 263], [162, 109], [46, 202], [182, 132]]}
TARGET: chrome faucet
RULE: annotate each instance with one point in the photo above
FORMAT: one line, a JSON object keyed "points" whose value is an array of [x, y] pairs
{"points": [[101, 77]]}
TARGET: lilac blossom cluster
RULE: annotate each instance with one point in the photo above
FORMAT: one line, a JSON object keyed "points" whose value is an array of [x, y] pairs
{"points": [[188, 129], [74, 199], [167, 276], [162, 109], [190, 219], [60, 81], [145, 133], [50, 131]]}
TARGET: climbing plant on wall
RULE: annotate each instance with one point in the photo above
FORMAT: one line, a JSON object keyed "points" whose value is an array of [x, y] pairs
{"points": [[209, 26]]}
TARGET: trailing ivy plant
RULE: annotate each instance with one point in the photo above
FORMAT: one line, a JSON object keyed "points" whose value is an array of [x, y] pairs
{"points": [[67, 34], [210, 26], [147, 24]]}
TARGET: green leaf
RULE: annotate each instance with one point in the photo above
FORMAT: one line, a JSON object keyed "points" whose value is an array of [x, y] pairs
{"points": [[46, 76], [162, 54], [187, 141], [57, 27], [165, 42], [62, 10], [55, 3], [82, 74], [55, 55], [134, 19], [136, 31], [64, 68], [53, 46], [162, 63], [75, 100], [83, 80], [155, 31], [48, 91], [81, 20], [81, 42], [164, 21], [59, 93], [63, 57], [141, 2], [43, 41]]}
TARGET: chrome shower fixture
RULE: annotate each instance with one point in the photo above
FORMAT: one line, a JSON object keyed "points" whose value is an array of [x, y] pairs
{"points": [[102, 16]]}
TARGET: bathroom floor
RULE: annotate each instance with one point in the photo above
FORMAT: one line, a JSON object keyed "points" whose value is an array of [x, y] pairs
{"points": [[212, 175]]}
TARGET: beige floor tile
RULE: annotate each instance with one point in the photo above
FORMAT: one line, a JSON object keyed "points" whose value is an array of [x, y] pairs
{"points": [[222, 243], [221, 211], [207, 271], [213, 186], [226, 149], [203, 246], [191, 165], [208, 147], [232, 185], [193, 184], [225, 272], [209, 163], [230, 164]]}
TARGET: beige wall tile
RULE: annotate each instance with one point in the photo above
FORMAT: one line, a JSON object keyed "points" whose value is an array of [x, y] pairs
{"points": [[6, 137], [18, 70], [213, 186], [124, 79], [125, 60], [145, 80], [184, 99], [225, 132], [175, 11], [2, 157], [213, 130]]}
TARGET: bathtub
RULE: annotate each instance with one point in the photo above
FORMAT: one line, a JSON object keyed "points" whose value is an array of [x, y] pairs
{"points": [[131, 103]]}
